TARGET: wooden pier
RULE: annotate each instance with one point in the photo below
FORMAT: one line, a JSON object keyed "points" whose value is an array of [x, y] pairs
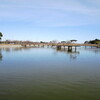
{"points": [[59, 45]]}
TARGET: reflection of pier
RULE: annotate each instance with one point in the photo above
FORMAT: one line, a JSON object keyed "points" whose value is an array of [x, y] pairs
{"points": [[73, 53]]}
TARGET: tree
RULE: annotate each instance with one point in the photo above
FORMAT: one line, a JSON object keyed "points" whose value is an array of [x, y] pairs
{"points": [[1, 35], [96, 41], [86, 42], [54, 41], [73, 40]]}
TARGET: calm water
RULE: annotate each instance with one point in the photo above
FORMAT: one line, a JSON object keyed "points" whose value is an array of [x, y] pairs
{"points": [[49, 74]]}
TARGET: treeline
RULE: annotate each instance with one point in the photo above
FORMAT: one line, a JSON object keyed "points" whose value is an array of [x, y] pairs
{"points": [[29, 42], [15, 42], [20, 42], [96, 41]]}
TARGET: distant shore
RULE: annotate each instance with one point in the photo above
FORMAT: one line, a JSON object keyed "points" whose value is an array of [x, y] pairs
{"points": [[9, 45]]}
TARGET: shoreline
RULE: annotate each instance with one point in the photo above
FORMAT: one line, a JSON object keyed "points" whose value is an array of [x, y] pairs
{"points": [[9, 45]]}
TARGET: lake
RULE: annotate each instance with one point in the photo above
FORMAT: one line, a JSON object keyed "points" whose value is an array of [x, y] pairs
{"points": [[49, 74]]}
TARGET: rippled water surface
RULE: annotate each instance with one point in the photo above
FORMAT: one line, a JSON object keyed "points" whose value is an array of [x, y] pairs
{"points": [[49, 74]]}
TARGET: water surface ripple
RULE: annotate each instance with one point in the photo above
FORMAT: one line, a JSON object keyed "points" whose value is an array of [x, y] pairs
{"points": [[49, 74]]}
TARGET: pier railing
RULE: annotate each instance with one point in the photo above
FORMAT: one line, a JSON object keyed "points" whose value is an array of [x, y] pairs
{"points": [[59, 44]]}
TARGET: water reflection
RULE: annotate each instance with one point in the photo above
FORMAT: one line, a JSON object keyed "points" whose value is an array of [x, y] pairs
{"points": [[21, 48], [38, 74], [73, 53], [1, 55], [9, 49], [95, 50]]}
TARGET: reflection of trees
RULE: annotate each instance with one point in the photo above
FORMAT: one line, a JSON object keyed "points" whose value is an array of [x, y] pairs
{"points": [[7, 49], [95, 50], [73, 53], [20, 48], [1, 55], [10, 49]]}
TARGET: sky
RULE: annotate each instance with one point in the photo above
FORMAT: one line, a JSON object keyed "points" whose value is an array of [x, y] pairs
{"points": [[47, 20]]}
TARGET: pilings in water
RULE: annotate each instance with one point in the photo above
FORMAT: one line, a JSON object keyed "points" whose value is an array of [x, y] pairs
{"points": [[98, 46], [58, 47], [42, 46], [75, 48], [24, 45], [69, 48]]}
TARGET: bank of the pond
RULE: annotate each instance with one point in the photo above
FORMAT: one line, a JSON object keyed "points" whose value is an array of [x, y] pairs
{"points": [[9, 45]]}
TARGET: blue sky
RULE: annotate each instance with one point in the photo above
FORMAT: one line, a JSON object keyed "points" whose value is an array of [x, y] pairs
{"points": [[46, 20]]}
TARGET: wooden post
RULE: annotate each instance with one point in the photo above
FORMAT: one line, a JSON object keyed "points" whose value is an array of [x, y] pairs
{"points": [[58, 47], [25, 45], [69, 48], [75, 48]]}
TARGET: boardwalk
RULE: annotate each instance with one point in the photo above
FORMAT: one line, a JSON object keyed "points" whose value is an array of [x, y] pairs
{"points": [[59, 45]]}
